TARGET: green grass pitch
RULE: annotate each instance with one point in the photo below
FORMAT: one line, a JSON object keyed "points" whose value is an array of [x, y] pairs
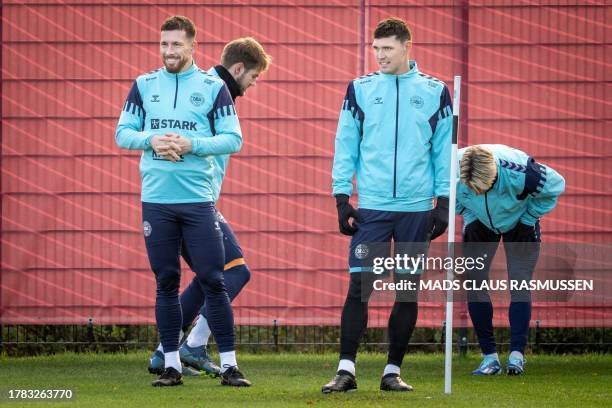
{"points": [[294, 380]]}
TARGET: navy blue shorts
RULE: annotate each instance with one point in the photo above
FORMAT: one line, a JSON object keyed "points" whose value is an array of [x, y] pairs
{"points": [[374, 234]]}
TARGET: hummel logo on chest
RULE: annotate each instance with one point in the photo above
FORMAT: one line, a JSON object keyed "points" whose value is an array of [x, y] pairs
{"points": [[154, 98]]}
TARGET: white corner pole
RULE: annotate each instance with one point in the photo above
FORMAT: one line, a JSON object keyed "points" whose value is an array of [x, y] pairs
{"points": [[448, 350]]}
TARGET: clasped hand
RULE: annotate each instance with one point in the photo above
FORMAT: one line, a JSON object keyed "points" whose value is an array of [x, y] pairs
{"points": [[171, 146]]}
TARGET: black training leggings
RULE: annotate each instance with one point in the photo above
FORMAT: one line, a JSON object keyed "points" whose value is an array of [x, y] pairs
{"points": [[355, 317]]}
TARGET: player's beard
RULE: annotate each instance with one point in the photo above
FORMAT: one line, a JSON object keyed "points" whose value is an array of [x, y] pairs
{"points": [[179, 66], [241, 85]]}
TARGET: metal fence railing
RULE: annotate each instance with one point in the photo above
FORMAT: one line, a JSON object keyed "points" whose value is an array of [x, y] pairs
{"points": [[38, 339]]}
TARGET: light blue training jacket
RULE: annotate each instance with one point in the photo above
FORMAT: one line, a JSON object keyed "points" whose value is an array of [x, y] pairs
{"points": [[394, 133], [193, 104], [524, 191]]}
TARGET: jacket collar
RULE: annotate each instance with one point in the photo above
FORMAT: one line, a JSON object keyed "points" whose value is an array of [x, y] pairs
{"points": [[414, 70], [193, 68], [229, 80]]}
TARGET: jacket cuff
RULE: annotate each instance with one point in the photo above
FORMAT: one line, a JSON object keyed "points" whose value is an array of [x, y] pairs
{"points": [[196, 146], [338, 191], [147, 138]]}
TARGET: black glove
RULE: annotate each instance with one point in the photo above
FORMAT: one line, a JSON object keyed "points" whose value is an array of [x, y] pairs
{"points": [[345, 212], [439, 217], [524, 233]]}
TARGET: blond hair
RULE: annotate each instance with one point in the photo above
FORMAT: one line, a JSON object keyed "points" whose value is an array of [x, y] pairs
{"points": [[478, 169], [248, 51]]}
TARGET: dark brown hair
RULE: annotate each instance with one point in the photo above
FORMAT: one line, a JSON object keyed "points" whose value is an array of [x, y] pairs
{"points": [[179, 23], [393, 26]]}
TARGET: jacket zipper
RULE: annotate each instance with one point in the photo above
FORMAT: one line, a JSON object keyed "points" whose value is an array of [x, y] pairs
{"points": [[489, 214], [396, 131], [176, 90]]}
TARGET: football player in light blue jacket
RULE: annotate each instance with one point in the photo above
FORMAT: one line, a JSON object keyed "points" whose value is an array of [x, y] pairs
{"points": [[181, 118], [243, 60], [394, 137], [502, 193]]}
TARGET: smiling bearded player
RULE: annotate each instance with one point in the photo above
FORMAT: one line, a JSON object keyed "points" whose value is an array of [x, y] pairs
{"points": [[242, 62]]}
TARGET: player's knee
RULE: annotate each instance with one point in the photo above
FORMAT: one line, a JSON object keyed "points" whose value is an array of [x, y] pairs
{"points": [[476, 297], [518, 296], [214, 283], [406, 308], [244, 274], [168, 281]]}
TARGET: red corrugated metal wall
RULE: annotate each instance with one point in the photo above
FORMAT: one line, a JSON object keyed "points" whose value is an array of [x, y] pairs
{"points": [[536, 77]]}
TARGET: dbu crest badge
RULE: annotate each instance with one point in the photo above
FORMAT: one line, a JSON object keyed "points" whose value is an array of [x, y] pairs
{"points": [[197, 99], [147, 229], [361, 251]]}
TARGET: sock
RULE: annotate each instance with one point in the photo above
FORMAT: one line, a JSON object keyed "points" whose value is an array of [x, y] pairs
{"points": [[161, 348], [516, 354], [199, 334], [391, 369], [228, 359], [172, 360], [492, 355], [347, 365]]}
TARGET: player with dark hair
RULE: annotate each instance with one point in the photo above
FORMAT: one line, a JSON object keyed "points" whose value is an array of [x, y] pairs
{"points": [[394, 135], [181, 118], [243, 60]]}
